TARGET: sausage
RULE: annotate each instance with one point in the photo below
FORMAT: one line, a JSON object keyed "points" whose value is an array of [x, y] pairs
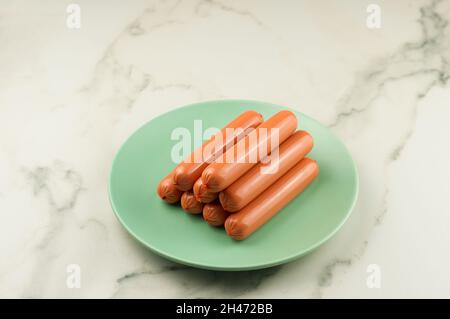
{"points": [[202, 194], [214, 214], [247, 152], [243, 223], [167, 190], [190, 204], [262, 175], [188, 171]]}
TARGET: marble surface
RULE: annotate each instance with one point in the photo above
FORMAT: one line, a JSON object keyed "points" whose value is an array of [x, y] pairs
{"points": [[70, 97]]}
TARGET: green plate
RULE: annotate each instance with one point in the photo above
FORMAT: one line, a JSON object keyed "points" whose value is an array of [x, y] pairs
{"points": [[303, 225]]}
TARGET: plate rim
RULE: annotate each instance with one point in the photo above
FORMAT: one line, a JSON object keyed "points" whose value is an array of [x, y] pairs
{"points": [[247, 267]]}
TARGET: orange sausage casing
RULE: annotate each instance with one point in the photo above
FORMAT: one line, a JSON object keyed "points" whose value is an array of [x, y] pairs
{"points": [[248, 151], [190, 204], [202, 194], [261, 176], [243, 223], [167, 190], [214, 214], [188, 171]]}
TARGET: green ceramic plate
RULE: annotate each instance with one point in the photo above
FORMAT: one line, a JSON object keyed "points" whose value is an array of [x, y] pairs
{"points": [[303, 225]]}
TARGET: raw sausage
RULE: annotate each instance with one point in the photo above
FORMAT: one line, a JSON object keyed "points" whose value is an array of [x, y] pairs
{"points": [[247, 152], [243, 223], [190, 204], [188, 171], [167, 190], [202, 194], [214, 214], [261, 176]]}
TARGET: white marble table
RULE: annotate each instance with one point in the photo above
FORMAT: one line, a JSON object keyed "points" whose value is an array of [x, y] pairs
{"points": [[70, 97]]}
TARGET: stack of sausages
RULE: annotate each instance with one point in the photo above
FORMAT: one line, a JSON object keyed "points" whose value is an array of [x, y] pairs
{"points": [[245, 174]]}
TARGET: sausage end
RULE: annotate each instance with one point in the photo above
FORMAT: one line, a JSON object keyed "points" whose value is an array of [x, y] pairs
{"points": [[181, 179], [202, 193], [190, 204], [168, 192], [210, 179], [235, 229], [228, 203], [214, 214]]}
